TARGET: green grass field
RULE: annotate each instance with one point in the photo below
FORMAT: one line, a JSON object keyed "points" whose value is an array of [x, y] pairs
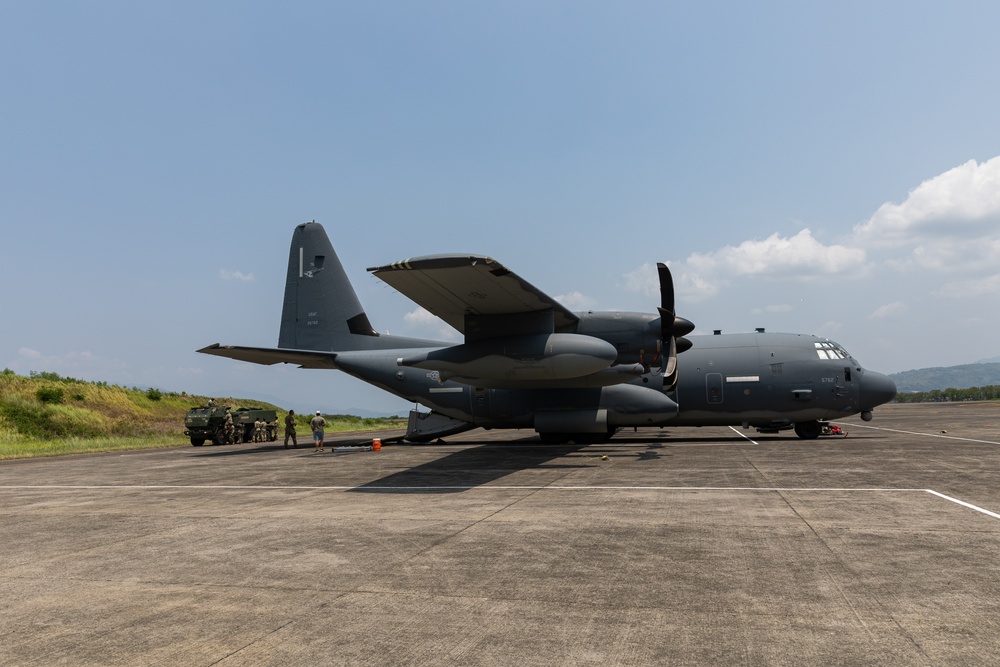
{"points": [[48, 415]]}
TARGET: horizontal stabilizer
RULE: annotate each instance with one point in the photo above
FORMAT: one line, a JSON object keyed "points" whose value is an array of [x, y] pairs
{"points": [[269, 355]]}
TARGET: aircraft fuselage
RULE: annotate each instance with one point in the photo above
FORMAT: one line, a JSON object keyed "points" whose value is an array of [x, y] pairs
{"points": [[766, 380]]}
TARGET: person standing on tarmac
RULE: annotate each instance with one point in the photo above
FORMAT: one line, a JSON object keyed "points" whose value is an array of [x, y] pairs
{"points": [[317, 424], [228, 428], [290, 429]]}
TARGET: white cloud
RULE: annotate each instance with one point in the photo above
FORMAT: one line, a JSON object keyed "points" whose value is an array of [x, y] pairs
{"points": [[228, 275], [644, 280], [773, 309], [797, 258], [963, 289], [688, 286], [693, 287], [576, 301], [948, 223], [830, 328], [889, 310], [962, 198], [423, 320]]}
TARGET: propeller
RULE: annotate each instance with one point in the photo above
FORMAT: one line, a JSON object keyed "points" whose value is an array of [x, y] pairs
{"points": [[672, 328]]}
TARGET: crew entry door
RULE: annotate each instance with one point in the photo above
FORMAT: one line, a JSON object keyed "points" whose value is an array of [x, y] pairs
{"points": [[713, 388]]}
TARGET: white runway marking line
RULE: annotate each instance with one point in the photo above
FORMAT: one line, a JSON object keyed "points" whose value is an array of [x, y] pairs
{"points": [[208, 487], [929, 435], [964, 504], [754, 442]]}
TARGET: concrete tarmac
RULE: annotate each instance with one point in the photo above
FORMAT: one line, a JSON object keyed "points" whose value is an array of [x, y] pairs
{"points": [[685, 546]]}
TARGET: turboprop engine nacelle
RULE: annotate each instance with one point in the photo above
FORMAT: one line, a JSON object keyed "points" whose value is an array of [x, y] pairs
{"points": [[539, 357]]}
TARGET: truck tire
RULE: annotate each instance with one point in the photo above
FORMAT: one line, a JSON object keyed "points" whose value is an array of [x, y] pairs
{"points": [[220, 437], [197, 442]]}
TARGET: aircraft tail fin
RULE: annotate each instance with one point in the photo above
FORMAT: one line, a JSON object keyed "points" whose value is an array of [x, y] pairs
{"points": [[321, 309]]}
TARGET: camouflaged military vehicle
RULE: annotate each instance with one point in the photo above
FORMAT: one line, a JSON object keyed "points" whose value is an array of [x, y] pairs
{"points": [[209, 423]]}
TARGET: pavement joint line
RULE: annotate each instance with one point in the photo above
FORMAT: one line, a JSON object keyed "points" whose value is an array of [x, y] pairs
{"points": [[536, 487], [929, 435]]}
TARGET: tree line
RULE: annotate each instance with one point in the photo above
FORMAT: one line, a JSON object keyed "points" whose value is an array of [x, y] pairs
{"points": [[988, 393]]}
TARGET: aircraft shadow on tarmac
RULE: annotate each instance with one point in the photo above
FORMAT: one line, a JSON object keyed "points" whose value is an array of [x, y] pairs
{"points": [[480, 462], [489, 461], [473, 466]]}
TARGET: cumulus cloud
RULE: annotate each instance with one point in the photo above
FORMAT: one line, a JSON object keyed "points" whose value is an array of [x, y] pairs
{"points": [[228, 275], [423, 320], [576, 301], [643, 280], [888, 310], [796, 256], [950, 222], [964, 289], [800, 258]]}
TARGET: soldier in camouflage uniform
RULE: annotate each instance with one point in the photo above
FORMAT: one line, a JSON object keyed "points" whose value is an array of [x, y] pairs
{"points": [[256, 430], [228, 426], [290, 429]]}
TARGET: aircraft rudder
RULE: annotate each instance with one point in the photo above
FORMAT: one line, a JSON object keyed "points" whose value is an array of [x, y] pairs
{"points": [[321, 310]]}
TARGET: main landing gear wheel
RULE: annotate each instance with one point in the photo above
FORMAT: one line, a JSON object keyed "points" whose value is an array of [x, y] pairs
{"points": [[808, 430]]}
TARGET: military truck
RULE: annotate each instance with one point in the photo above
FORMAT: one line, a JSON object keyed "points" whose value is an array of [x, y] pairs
{"points": [[209, 423]]}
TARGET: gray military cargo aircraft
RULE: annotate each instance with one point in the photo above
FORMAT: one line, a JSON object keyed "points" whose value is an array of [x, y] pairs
{"points": [[528, 362]]}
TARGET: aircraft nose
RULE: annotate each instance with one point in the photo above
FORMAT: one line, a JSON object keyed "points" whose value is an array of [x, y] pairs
{"points": [[876, 389]]}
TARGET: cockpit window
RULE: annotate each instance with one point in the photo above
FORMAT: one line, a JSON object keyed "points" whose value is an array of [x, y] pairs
{"points": [[830, 350]]}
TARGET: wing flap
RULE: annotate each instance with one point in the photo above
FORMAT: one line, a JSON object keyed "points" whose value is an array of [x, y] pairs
{"points": [[453, 287]]}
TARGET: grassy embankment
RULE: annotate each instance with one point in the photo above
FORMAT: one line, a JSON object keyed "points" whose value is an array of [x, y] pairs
{"points": [[49, 415]]}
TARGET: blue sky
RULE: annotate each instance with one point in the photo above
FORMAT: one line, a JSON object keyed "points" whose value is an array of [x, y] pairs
{"points": [[822, 168]]}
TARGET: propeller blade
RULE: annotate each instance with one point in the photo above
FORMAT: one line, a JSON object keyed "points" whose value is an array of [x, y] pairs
{"points": [[670, 362], [672, 328], [666, 289]]}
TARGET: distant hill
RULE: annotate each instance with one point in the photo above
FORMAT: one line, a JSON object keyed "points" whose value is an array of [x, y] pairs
{"points": [[949, 377]]}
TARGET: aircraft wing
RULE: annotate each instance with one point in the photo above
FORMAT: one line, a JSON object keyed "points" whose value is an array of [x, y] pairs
{"points": [[269, 355], [455, 286]]}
